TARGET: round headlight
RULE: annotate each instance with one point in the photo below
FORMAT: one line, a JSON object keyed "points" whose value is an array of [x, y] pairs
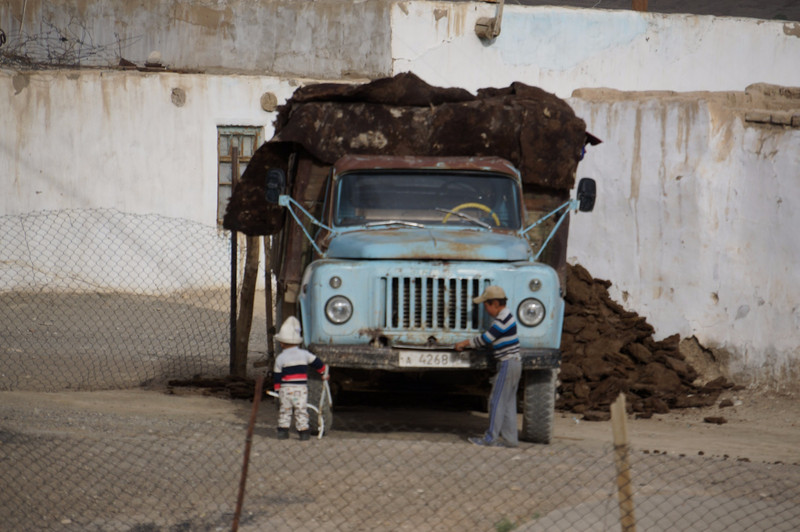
{"points": [[335, 282], [531, 312], [338, 309]]}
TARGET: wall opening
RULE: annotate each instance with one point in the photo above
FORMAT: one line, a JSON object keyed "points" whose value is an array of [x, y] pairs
{"points": [[247, 139]]}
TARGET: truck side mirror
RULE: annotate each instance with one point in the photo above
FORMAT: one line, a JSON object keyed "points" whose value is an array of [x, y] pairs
{"points": [[274, 183], [587, 192]]}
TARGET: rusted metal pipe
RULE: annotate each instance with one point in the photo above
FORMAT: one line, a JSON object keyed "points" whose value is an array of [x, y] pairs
{"points": [[248, 444], [268, 296]]}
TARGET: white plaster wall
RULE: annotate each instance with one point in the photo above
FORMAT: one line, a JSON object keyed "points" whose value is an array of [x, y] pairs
{"points": [[697, 215], [696, 224], [114, 139], [563, 49], [558, 49], [89, 139]]}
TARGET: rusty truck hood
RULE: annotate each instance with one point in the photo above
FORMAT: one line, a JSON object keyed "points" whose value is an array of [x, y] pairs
{"points": [[429, 243]]}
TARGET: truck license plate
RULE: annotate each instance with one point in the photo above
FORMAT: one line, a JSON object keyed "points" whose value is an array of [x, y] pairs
{"points": [[432, 359]]}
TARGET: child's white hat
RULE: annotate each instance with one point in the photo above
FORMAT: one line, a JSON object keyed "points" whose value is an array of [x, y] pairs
{"points": [[290, 332]]}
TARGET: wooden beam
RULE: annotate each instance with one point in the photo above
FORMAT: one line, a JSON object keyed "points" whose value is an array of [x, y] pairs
{"points": [[246, 303], [639, 5], [242, 322]]}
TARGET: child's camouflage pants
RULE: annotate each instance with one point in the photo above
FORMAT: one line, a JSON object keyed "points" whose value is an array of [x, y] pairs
{"points": [[293, 396]]}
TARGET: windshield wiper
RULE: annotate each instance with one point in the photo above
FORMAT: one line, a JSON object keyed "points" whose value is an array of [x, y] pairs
{"points": [[394, 222], [465, 216]]}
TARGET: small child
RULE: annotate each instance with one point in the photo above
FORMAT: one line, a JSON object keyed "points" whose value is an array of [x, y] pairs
{"points": [[290, 377]]}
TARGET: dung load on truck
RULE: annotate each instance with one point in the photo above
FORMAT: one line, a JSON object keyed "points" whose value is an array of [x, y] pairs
{"points": [[392, 204]]}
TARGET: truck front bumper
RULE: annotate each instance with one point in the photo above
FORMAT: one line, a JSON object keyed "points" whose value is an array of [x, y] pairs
{"points": [[393, 359]]}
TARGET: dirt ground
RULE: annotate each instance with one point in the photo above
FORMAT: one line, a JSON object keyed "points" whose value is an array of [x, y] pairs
{"points": [[160, 459], [759, 426]]}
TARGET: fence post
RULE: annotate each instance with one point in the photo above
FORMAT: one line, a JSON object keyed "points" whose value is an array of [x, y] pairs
{"points": [[234, 265], [619, 428]]}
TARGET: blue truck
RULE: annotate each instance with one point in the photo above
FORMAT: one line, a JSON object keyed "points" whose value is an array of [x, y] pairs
{"points": [[393, 204], [404, 246]]}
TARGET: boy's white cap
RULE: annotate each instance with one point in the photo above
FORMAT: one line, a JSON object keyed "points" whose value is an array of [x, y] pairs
{"points": [[290, 332], [491, 292]]}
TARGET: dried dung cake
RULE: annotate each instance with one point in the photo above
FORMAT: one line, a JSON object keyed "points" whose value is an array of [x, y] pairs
{"points": [[535, 130]]}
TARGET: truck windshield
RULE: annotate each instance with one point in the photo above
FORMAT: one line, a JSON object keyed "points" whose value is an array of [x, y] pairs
{"points": [[429, 198]]}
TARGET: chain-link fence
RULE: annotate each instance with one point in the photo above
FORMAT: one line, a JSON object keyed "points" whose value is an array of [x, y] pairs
{"points": [[100, 310], [100, 299]]}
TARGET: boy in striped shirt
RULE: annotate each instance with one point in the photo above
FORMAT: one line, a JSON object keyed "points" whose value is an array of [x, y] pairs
{"points": [[502, 337], [290, 376]]}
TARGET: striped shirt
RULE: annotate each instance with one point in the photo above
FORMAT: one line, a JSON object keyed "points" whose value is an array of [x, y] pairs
{"points": [[291, 367], [502, 336]]}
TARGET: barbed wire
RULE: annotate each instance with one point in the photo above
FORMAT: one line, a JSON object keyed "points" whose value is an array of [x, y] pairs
{"points": [[70, 44]]}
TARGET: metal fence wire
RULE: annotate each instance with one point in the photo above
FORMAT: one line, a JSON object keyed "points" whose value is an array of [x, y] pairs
{"points": [[101, 310]]}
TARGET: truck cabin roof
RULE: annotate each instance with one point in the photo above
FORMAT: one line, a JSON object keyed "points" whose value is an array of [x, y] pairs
{"points": [[351, 163]]}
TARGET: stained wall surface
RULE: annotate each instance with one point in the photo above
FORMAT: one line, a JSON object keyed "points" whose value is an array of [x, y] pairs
{"points": [[559, 49], [563, 49], [320, 38], [115, 139], [696, 222]]}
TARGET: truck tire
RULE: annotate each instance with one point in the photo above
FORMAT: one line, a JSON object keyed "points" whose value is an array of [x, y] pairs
{"points": [[315, 390], [538, 405]]}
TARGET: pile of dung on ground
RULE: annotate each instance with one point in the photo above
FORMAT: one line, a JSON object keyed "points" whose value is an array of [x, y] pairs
{"points": [[608, 350], [227, 386]]}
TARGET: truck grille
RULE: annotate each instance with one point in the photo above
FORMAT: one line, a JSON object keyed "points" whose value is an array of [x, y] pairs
{"points": [[422, 303]]}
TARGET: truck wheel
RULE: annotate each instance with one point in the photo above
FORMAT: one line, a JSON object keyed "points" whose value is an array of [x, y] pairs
{"points": [[538, 405], [315, 390]]}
